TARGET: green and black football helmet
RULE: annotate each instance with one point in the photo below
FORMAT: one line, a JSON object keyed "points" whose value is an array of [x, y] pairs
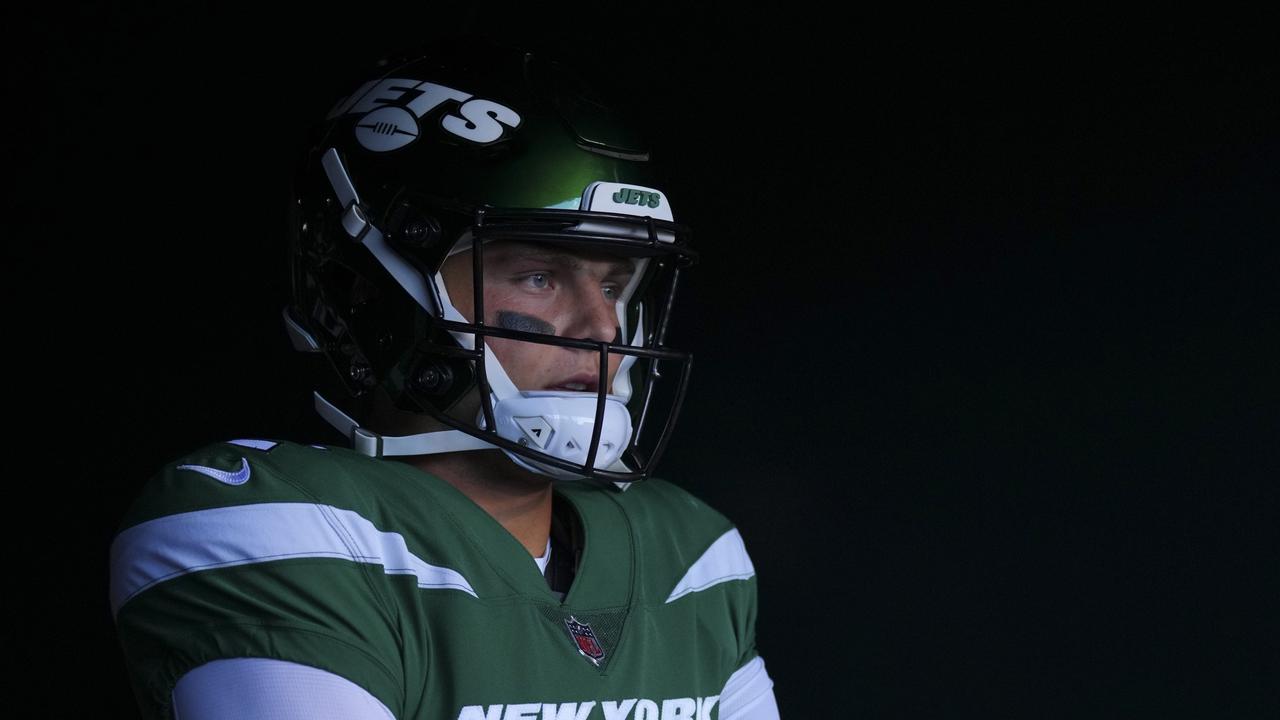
{"points": [[442, 151]]}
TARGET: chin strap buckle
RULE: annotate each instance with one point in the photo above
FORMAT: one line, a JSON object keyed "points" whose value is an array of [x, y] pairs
{"points": [[365, 442]]}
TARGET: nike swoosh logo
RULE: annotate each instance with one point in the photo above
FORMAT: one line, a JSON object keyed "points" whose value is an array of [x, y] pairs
{"points": [[239, 477]]}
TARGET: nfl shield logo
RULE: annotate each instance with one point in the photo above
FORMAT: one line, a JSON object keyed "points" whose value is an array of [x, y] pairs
{"points": [[586, 640]]}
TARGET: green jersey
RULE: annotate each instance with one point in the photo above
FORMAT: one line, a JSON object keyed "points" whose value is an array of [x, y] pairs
{"points": [[378, 572]]}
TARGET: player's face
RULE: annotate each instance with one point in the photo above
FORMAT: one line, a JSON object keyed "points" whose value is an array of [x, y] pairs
{"points": [[545, 289]]}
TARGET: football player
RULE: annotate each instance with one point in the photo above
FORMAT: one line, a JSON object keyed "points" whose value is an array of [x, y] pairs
{"points": [[483, 261]]}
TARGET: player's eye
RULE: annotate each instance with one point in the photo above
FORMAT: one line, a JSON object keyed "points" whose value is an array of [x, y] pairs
{"points": [[611, 292], [538, 281]]}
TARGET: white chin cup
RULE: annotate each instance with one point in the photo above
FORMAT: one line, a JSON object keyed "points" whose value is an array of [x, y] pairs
{"points": [[559, 423]]}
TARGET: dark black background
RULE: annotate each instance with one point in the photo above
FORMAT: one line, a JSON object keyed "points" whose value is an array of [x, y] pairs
{"points": [[986, 329]]}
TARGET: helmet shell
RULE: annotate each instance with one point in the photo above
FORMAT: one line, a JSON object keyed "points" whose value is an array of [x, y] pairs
{"points": [[420, 146]]}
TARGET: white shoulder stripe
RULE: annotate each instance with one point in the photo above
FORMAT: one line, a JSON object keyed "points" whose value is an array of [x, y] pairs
{"points": [[255, 444], [725, 560], [174, 545]]}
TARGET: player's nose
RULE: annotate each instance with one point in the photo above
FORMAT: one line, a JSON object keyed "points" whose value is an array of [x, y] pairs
{"points": [[597, 316]]}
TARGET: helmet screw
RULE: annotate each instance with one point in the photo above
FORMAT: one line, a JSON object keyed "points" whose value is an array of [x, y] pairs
{"points": [[421, 231], [433, 379], [359, 371], [429, 379]]}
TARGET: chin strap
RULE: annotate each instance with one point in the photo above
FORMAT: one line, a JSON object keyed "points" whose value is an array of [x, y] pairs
{"points": [[367, 442]]}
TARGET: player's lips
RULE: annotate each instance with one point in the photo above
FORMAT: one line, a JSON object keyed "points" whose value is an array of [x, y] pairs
{"points": [[580, 383]]}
